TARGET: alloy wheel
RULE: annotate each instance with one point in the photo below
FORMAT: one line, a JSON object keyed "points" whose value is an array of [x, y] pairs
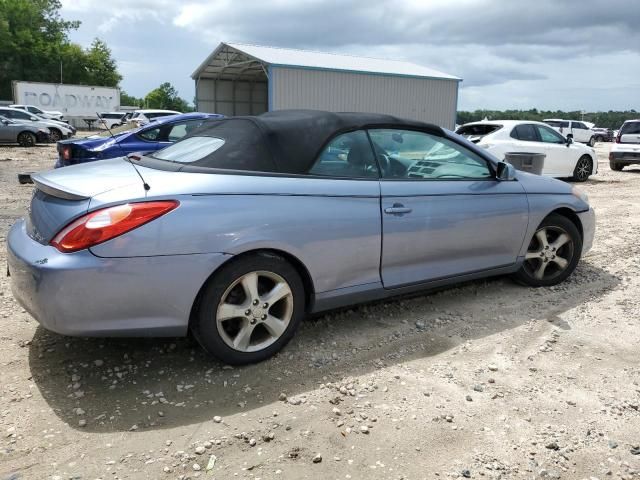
{"points": [[254, 311], [26, 139], [550, 253], [55, 135], [583, 169]]}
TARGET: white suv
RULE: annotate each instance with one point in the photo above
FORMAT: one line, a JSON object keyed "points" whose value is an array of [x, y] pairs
{"points": [[626, 150], [579, 131]]}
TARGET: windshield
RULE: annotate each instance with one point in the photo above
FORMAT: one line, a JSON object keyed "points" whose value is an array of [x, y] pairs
{"points": [[189, 150]]}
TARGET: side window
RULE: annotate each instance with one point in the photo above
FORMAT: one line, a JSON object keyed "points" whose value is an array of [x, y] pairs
{"points": [[525, 132], [579, 125], [18, 115], [347, 155], [407, 154], [151, 135], [547, 135], [564, 124], [180, 130]]}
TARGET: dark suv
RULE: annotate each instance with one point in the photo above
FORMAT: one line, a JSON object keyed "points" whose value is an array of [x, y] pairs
{"points": [[602, 134]]}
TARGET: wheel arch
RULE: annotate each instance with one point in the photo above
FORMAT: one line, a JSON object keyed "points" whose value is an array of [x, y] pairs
{"points": [[305, 276], [570, 215]]}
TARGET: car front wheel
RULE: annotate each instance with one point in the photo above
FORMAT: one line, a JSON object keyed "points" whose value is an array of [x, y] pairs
{"points": [[583, 169], [591, 142], [250, 309], [55, 135], [553, 253]]}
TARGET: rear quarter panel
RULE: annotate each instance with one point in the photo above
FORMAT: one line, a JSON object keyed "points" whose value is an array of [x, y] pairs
{"points": [[331, 226]]}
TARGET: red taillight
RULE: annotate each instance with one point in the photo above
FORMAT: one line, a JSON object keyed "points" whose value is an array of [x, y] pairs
{"points": [[107, 223], [66, 152]]}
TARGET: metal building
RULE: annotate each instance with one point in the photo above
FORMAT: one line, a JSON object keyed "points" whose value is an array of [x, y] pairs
{"points": [[239, 79]]}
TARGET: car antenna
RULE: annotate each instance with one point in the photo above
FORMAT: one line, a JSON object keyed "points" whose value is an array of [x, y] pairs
{"points": [[146, 186]]}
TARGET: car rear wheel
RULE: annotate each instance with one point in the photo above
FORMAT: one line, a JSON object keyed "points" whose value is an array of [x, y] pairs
{"points": [[250, 309], [591, 142], [55, 135], [600, 139], [27, 139], [616, 166], [583, 169], [553, 253]]}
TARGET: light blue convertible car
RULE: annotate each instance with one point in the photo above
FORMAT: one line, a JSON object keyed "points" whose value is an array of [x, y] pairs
{"points": [[250, 223]]}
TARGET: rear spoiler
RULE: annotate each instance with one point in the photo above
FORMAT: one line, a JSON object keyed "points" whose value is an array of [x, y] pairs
{"points": [[55, 190]]}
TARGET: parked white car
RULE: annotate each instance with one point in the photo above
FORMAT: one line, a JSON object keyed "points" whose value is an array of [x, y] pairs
{"points": [[563, 157], [142, 117], [626, 149], [58, 130], [51, 114], [579, 131], [111, 119]]}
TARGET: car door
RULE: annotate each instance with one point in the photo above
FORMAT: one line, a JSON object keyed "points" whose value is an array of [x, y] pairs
{"points": [[444, 214], [580, 132], [8, 132], [560, 158]]}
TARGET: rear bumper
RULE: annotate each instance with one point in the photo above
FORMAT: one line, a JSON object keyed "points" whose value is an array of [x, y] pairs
{"points": [[588, 221], [625, 157], [81, 294]]}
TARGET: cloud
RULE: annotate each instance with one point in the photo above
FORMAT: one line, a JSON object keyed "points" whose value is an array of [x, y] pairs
{"points": [[529, 49]]}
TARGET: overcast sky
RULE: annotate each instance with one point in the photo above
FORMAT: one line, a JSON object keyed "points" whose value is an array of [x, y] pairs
{"points": [[547, 54]]}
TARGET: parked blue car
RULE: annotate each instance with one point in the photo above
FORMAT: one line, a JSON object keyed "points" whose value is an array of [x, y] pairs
{"points": [[250, 223], [154, 136]]}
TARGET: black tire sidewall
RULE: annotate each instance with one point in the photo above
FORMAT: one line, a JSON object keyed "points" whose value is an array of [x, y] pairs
{"points": [[615, 166], [204, 327], [560, 221]]}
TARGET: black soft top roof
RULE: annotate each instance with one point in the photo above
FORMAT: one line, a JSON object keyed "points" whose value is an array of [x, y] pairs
{"points": [[287, 141]]}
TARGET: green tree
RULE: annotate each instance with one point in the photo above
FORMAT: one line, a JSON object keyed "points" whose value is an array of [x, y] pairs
{"points": [[166, 97], [32, 35], [128, 100], [609, 119], [101, 68], [34, 46]]}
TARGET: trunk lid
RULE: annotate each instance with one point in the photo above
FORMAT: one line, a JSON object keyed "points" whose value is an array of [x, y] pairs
{"points": [[63, 195]]}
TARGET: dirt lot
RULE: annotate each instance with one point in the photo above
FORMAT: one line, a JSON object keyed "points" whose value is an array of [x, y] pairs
{"points": [[488, 380]]}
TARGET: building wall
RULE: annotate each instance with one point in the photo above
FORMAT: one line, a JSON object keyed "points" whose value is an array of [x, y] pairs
{"points": [[428, 100], [231, 97]]}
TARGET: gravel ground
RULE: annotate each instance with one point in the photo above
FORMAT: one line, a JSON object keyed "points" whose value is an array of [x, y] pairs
{"points": [[487, 380]]}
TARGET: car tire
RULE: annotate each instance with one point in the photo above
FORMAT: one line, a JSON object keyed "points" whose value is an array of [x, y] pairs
{"points": [[55, 135], [552, 232], [616, 166], [600, 139], [583, 169], [259, 329], [27, 139], [591, 142]]}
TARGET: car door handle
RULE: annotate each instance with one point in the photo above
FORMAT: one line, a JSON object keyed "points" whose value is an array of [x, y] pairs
{"points": [[397, 209]]}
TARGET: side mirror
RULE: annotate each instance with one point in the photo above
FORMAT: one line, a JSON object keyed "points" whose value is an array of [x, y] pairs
{"points": [[505, 172], [5, 121], [569, 141]]}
